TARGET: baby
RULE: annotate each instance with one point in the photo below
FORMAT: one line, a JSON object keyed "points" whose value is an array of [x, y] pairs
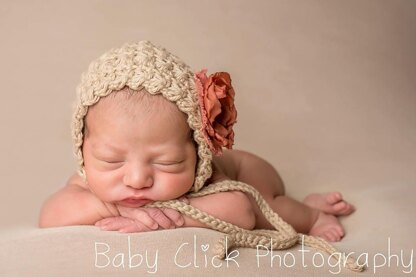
{"points": [[148, 129]]}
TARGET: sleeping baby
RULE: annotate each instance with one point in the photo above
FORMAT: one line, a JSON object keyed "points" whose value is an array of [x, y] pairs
{"points": [[146, 128]]}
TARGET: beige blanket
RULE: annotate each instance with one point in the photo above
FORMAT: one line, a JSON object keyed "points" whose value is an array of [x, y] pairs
{"points": [[381, 233]]}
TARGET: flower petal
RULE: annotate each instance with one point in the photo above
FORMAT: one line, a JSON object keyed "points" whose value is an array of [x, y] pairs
{"points": [[216, 101]]}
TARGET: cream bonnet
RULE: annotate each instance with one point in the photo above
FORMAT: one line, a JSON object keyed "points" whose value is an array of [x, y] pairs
{"points": [[208, 102]]}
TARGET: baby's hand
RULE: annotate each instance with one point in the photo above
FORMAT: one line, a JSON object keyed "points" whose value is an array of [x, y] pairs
{"points": [[142, 219], [121, 224]]}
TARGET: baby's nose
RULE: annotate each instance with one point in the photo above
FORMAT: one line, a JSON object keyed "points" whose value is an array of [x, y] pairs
{"points": [[138, 179]]}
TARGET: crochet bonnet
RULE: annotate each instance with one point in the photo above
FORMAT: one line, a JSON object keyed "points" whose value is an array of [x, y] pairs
{"points": [[144, 65]]}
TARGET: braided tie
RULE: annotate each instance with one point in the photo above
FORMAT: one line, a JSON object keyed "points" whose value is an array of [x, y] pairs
{"points": [[283, 237]]}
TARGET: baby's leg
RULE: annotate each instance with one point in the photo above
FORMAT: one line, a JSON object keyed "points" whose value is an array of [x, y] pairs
{"points": [[307, 217]]}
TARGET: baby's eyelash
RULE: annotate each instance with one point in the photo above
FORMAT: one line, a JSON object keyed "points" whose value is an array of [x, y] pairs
{"points": [[113, 162], [169, 163]]}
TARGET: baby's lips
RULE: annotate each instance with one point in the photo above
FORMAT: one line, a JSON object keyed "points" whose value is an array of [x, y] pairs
{"points": [[135, 202]]}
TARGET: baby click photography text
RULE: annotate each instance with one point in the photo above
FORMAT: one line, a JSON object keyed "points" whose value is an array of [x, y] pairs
{"points": [[199, 254]]}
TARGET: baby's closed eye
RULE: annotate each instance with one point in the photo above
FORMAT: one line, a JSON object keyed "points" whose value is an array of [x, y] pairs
{"points": [[109, 159], [170, 166], [169, 162], [113, 161]]}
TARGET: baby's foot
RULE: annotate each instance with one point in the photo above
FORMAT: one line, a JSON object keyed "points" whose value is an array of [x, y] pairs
{"points": [[330, 203], [327, 227]]}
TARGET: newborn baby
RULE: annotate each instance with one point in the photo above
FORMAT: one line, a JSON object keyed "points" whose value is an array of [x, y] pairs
{"points": [[138, 146]]}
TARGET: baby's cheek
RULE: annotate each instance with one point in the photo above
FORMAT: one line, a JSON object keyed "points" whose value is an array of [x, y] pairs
{"points": [[186, 182], [101, 185], [176, 186]]}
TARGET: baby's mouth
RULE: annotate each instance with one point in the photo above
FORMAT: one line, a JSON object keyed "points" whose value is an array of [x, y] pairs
{"points": [[133, 202]]}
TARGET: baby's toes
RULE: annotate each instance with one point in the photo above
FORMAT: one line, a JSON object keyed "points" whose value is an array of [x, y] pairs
{"points": [[349, 209], [339, 207], [333, 197], [339, 230], [343, 208], [329, 235], [335, 235]]}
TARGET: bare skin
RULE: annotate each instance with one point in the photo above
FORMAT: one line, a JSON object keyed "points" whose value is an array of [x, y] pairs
{"points": [[316, 215]]}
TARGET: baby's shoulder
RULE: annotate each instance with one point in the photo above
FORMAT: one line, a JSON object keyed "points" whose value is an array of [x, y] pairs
{"points": [[77, 181], [73, 204], [227, 164]]}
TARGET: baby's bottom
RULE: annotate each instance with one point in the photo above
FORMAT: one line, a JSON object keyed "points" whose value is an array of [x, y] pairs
{"points": [[316, 215]]}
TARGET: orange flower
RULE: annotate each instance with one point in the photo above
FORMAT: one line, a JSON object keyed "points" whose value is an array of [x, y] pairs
{"points": [[216, 100]]}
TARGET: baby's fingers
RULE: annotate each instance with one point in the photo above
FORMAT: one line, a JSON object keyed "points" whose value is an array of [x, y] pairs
{"points": [[175, 216], [122, 224], [113, 223], [134, 228], [140, 215], [160, 217]]}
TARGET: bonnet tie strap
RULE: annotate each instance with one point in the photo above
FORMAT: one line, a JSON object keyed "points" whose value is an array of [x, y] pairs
{"points": [[283, 237]]}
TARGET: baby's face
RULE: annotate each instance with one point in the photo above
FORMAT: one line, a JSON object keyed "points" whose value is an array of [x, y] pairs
{"points": [[133, 155]]}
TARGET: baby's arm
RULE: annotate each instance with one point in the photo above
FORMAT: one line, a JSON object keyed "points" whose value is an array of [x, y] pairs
{"points": [[74, 205], [231, 206]]}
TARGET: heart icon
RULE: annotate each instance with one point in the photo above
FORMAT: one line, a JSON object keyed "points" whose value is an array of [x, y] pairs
{"points": [[205, 247]]}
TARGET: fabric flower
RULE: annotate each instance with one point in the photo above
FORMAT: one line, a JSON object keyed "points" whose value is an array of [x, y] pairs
{"points": [[216, 101]]}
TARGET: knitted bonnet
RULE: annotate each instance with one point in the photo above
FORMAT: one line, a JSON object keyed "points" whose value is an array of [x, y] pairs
{"points": [[138, 66]]}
